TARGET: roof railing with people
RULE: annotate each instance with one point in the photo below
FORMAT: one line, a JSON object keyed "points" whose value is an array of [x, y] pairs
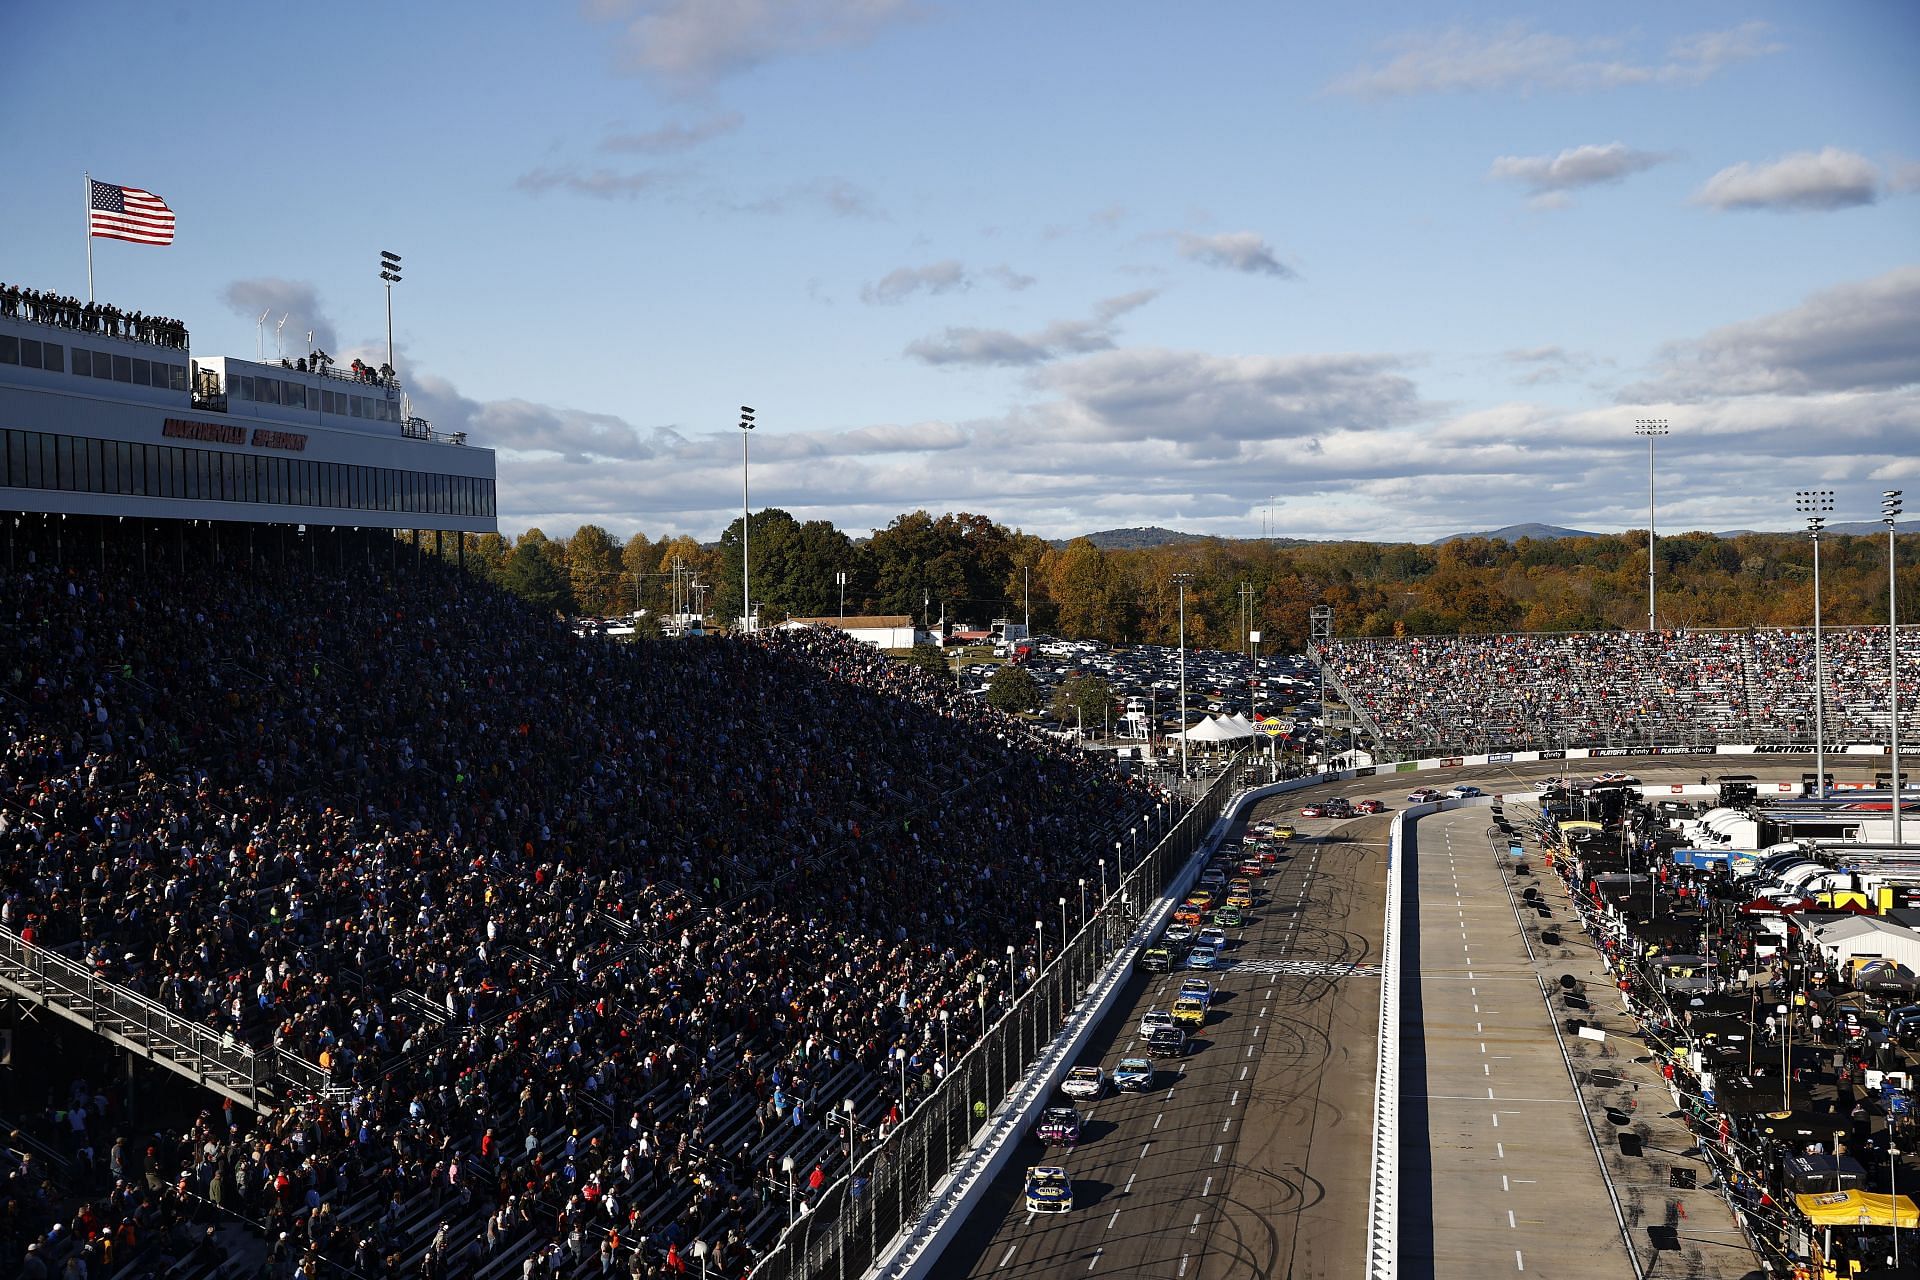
{"points": [[61, 311]]}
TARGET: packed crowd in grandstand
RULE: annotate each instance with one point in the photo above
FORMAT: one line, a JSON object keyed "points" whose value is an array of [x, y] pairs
{"points": [[585, 936], [1444, 694]]}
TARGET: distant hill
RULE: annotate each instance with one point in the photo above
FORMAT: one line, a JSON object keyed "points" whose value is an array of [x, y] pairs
{"points": [[1154, 536], [1515, 532], [1144, 536]]}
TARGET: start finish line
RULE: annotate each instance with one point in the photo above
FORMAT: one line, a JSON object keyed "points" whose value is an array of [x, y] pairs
{"points": [[1307, 968]]}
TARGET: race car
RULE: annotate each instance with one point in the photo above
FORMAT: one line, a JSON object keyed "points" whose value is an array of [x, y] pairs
{"points": [[1228, 917], [1424, 795], [1178, 933], [1251, 867], [1084, 1082], [1283, 832], [1202, 958], [1133, 1075], [1312, 811], [1197, 989], [1241, 899], [1155, 1020], [1156, 959], [1058, 1127], [1049, 1190], [1370, 806], [1201, 898], [1167, 1042], [1189, 915], [1189, 1014], [1466, 791], [1213, 936], [1337, 808]]}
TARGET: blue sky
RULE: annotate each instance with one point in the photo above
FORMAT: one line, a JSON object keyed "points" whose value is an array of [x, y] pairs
{"points": [[1388, 274]]}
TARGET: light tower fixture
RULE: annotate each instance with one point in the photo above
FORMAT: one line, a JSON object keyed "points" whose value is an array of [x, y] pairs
{"points": [[1652, 429], [1816, 505], [390, 272], [1890, 516], [1181, 580]]}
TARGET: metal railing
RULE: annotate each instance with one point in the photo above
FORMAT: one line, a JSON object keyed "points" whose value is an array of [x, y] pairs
{"points": [[260, 1079], [891, 1180]]}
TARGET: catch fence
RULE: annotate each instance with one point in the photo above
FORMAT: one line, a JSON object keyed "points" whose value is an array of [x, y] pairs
{"points": [[893, 1176]]}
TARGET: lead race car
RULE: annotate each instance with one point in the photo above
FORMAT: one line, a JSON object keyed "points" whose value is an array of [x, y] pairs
{"points": [[1049, 1189]]}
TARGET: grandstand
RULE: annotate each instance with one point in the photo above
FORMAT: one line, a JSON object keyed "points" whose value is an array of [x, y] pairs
{"points": [[1448, 695], [480, 942]]}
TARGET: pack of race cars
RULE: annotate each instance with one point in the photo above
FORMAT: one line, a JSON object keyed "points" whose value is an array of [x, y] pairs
{"points": [[1196, 940]]}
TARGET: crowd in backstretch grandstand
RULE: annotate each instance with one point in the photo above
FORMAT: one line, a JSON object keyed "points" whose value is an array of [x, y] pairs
{"points": [[588, 936], [1448, 694]]}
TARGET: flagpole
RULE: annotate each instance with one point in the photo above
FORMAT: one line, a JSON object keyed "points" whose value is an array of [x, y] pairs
{"points": [[88, 178]]}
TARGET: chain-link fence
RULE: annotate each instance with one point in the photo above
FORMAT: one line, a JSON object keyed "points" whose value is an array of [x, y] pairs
{"points": [[890, 1179]]}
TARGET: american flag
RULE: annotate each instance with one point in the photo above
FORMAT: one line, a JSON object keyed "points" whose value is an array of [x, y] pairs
{"points": [[128, 213]]}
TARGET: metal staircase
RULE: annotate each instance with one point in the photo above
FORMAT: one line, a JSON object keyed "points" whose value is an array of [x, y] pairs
{"points": [[259, 1079]]}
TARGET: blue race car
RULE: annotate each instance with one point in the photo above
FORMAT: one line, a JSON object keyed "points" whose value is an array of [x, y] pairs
{"points": [[1049, 1190], [1133, 1075]]}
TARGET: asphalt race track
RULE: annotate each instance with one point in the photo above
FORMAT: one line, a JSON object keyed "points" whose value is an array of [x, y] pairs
{"points": [[1252, 1158]]}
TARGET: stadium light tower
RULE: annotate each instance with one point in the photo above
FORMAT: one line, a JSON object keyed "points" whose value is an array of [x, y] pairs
{"points": [[1816, 505], [1181, 580], [746, 596], [390, 272], [1652, 429], [1890, 515], [1320, 633]]}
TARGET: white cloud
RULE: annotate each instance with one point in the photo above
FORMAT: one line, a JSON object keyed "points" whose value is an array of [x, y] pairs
{"points": [[1553, 176], [687, 45], [576, 437], [903, 282], [673, 137], [1818, 180], [295, 301], [837, 196], [598, 184], [988, 347], [1852, 338], [945, 276], [1547, 364], [1202, 401], [1235, 251], [1519, 59]]}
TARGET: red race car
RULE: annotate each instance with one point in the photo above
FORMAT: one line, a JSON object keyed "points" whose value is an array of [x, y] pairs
{"points": [[1369, 806], [1312, 811]]}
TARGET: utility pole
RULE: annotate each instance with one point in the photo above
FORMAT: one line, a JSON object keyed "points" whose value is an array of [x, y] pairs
{"points": [[1026, 597]]}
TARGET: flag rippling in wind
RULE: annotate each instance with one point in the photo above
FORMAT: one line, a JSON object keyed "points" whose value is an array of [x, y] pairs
{"points": [[128, 213]]}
